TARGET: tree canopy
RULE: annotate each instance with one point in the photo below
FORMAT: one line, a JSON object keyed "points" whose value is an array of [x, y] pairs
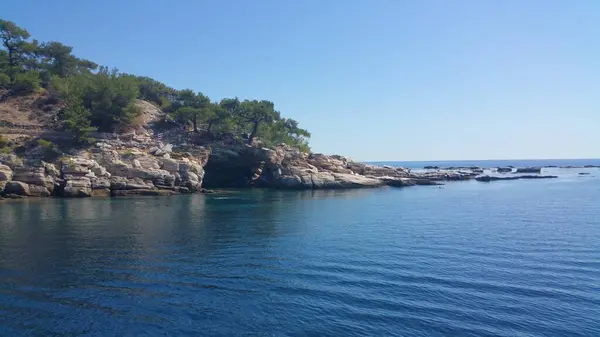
{"points": [[98, 98]]}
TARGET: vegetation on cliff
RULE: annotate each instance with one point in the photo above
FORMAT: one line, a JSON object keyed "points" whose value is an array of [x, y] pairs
{"points": [[98, 98]]}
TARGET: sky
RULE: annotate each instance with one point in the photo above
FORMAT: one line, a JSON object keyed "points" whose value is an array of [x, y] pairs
{"points": [[373, 80]]}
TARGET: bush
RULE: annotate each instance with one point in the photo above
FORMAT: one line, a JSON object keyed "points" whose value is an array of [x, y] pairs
{"points": [[3, 142], [107, 98], [27, 82], [51, 151], [4, 80], [76, 120], [46, 144]]}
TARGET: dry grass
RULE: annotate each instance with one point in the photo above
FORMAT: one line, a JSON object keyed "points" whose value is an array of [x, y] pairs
{"points": [[34, 110]]}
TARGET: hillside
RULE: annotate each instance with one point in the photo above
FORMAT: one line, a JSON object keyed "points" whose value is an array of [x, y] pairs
{"points": [[38, 110]]}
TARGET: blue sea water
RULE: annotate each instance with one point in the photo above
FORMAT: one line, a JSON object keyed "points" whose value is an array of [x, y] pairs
{"points": [[507, 258], [493, 163]]}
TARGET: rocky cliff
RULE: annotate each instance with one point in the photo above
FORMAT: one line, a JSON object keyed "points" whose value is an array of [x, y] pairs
{"points": [[139, 164], [149, 160], [285, 167], [110, 167]]}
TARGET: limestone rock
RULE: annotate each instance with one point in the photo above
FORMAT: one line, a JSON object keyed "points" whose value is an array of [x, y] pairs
{"points": [[11, 160], [76, 192], [121, 183], [169, 165], [353, 181], [100, 183], [5, 173], [34, 176], [16, 187]]}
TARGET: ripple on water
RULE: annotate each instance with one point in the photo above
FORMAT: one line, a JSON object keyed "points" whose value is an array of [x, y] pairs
{"points": [[468, 260]]}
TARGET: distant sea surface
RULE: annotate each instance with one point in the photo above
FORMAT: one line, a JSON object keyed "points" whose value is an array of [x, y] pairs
{"points": [[507, 258], [493, 163]]}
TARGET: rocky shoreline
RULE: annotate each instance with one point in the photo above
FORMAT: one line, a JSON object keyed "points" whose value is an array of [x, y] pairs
{"points": [[141, 165]]}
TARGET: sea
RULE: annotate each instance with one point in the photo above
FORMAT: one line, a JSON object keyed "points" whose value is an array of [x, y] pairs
{"points": [[505, 258]]}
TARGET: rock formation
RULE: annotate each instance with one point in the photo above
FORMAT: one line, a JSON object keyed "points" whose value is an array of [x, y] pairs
{"points": [[492, 178], [110, 167], [285, 167], [529, 170]]}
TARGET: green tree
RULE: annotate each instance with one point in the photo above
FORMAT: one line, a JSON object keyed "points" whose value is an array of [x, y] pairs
{"points": [[110, 97], [26, 82], [13, 38], [76, 119], [107, 95], [30, 57], [215, 115], [59, 59], [4, 80], [3, 61], [154, 91], [190, 106], [285, 130], [256, 113], [74, 116]]}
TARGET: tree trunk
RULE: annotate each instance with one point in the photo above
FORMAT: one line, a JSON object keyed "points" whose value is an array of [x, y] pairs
{"points": [[11, 63]]}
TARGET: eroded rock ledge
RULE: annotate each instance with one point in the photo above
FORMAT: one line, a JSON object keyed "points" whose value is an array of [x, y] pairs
{"points": [[142, 165], [110, 168], [285, 167]]}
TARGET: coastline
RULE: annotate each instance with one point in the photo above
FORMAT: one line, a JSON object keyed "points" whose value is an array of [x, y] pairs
{"points": [[142, 164]]}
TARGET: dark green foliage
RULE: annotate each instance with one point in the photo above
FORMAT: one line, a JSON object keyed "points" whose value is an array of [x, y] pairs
{"points": [[285, 130], [13, 38], [257, 112], [74, 116], [4, 62], [190, 106], [3, 142], [26, 82], [58, 58], [4, 80], [77, 120], [154, 91], [107, 98], [110, 97], [51, 151], [217, 118], [45, 143]]}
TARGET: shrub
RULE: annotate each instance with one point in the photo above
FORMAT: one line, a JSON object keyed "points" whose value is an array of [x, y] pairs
{"points": [[3, 142], [51, 151], [4, 80], [46, 144], [27, 82], [4, 148]]}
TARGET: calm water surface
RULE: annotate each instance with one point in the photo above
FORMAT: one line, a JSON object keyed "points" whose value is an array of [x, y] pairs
{"points": [[514, 258]]}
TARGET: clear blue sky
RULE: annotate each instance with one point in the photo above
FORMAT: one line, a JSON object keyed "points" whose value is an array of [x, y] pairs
{"points": [[374, 80]]}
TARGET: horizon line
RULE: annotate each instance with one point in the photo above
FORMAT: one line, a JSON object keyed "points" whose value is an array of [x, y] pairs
{"points": [[463, 160]]}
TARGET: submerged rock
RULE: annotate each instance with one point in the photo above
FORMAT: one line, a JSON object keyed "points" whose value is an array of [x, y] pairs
{"points": [[493, 178]]}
